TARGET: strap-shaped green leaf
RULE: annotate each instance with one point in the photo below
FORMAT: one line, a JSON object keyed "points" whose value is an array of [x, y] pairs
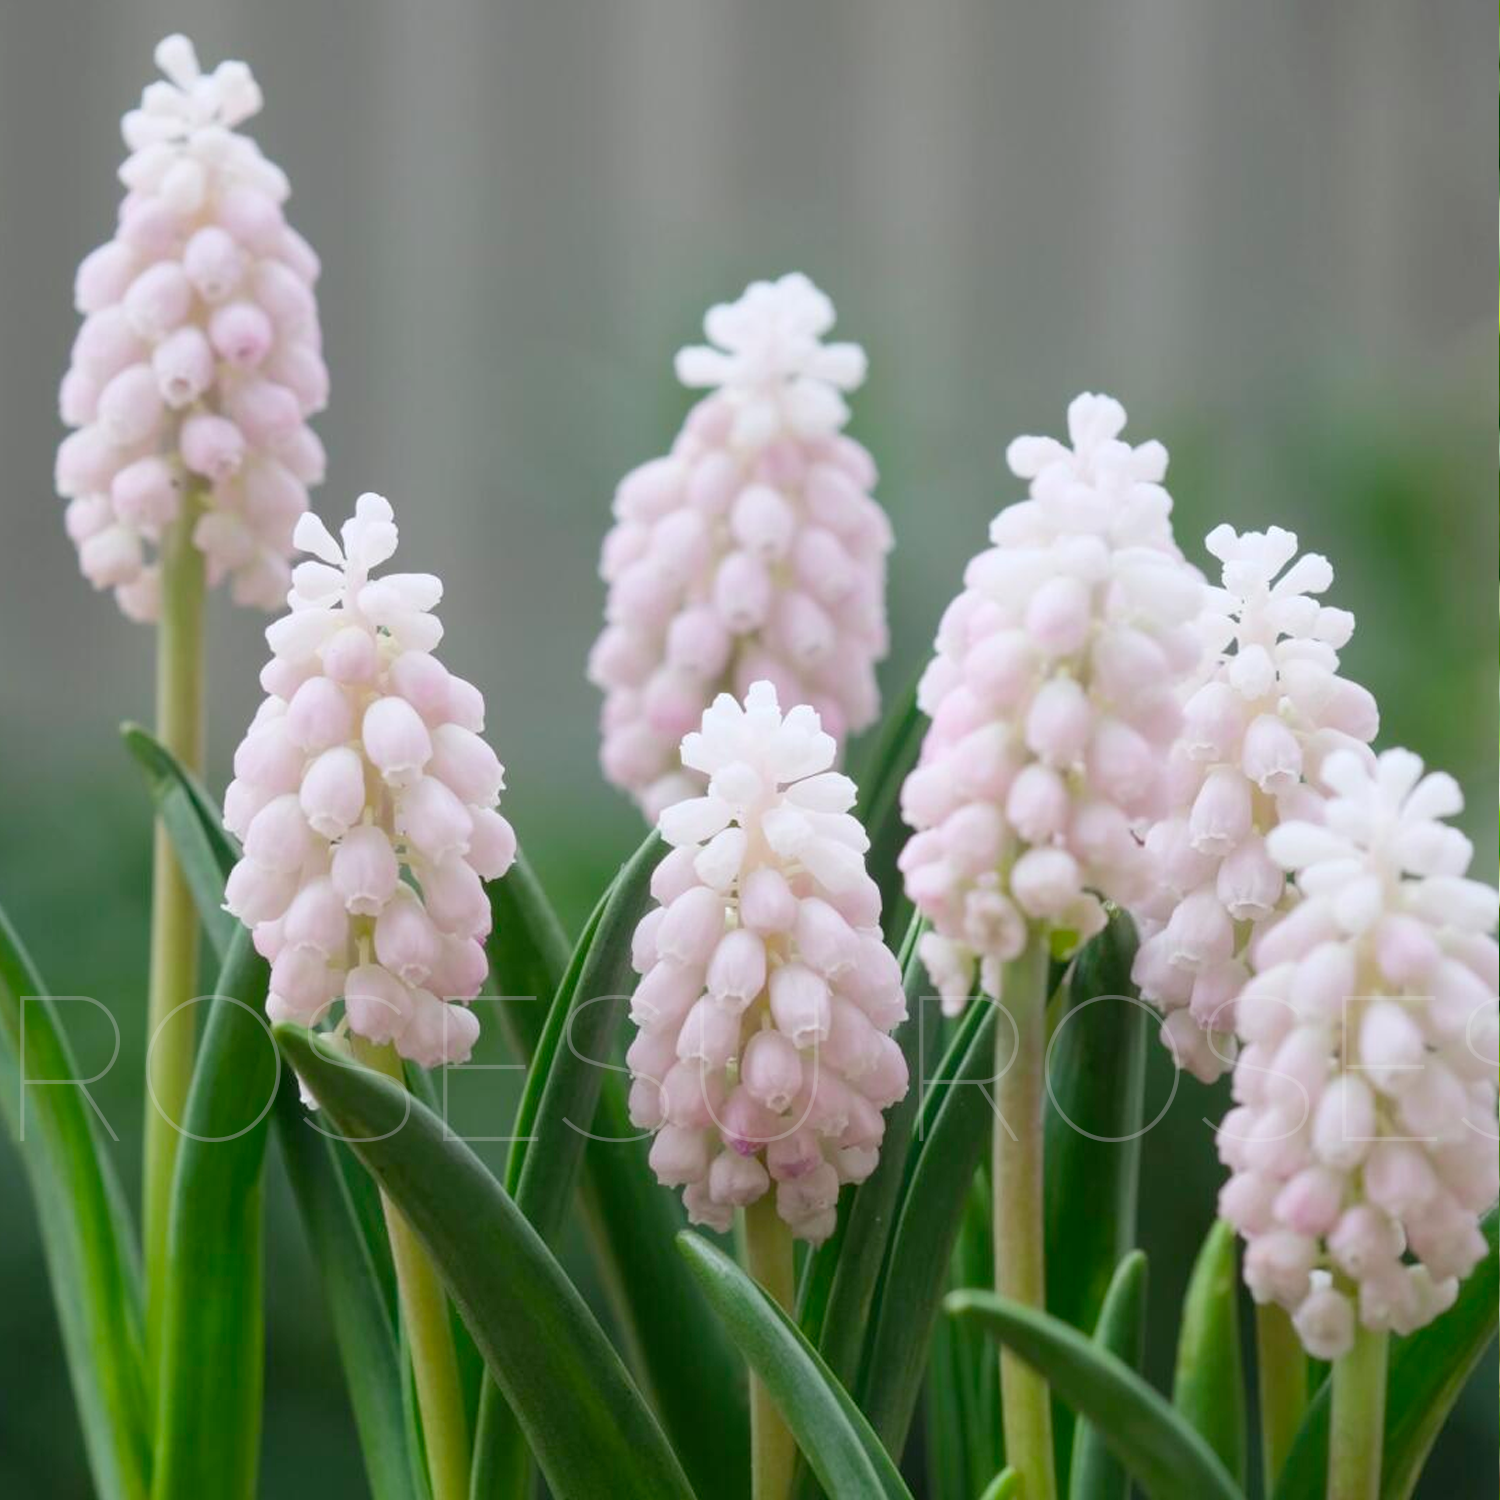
{"points": [[953, 1125], [85, 1229], [1006, 1485], [839, 1283], [208, 1406], [1096, 1064], [834, 1436], [528, 952], [590, 1431], [1095, 1473], [1428, 1369], [631, 1221], [1209, 1386], [892, 753], [558, 1107], [204, 850], [1165, 1456], [339, 1207], [354, 1292]]}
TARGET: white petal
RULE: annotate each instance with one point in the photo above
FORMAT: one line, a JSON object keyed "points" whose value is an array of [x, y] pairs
{"points": [[311, 535], [827, 792], [693, 821]]}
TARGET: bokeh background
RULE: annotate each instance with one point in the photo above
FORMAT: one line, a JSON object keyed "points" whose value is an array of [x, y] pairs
{"points": [[1268, 228]]}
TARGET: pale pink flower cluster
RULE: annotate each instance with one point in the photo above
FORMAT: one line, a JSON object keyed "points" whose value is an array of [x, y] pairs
{"points": [[1054, 701], [752, 551], [366, 801], [1270, 707], [198, 362], [1363, 1144], [767, 995]]}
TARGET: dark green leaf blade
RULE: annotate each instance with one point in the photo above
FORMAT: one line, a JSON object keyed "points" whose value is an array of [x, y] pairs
{"points": [[1163, 1454], [209, 1385], [85, 1229], [839, 1285], [1095, 1474], [528, 952], [581, 1413], [1427, 1371], [1209, 1386], [836, 1440], [953, 1125], [354, 1293], [892, 754], [204, 850], [1096, 1061]]}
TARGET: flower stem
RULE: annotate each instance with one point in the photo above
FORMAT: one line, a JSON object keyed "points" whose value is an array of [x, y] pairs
{"points": [[1358, 1426], [174, 919], [424, 1310], [768, 1258], [1020, 1268], [1281, 1378]]}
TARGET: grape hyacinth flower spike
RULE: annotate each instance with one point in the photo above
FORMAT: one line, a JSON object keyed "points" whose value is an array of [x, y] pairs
{"points": [[763, 1057], [753, 550], [198, 362], [366, 801], [1268, 711], [1053, 700], [1362, 1148]]}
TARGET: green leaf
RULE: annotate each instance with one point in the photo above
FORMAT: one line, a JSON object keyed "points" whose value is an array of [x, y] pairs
{"points": [[1095, 1474], [209, 1385], [528, 952], [892, 754], [558, 1106], [1165, 1456], [587, 1426], [631, 1222], [85, 1228], [953, 1129], [1006, 1485], [1209, 1388], [354, 1290], [839, 1285], [194, 824], [571, 1061], [1096, 1080], [834, 1437], [1428, 1369], [1096, 1062]]}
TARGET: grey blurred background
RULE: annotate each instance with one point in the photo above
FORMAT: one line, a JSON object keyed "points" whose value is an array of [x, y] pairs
{"points": [[1270, 229]]}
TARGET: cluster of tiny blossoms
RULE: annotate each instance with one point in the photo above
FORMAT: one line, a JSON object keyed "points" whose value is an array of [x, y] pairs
{"points": [[1269, 710], [751, 551], [366, 801], [1053, 699], [1363, 1143], [767, 994], [198, 362]]}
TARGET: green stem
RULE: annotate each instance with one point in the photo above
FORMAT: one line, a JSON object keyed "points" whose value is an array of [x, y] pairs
{"points": [[1020, 1260], [429, 1334], [1357, 1434], [1281, 1378], [174, 919], [768, 1258]]}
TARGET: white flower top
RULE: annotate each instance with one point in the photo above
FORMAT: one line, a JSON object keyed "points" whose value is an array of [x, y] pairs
{"points": [[766, 352]]}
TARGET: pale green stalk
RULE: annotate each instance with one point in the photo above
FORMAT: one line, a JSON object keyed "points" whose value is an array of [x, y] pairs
{"points": [[429, 1334], [768, 1258], [1357, 1431], [1020, 1261], [174, 918]]}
